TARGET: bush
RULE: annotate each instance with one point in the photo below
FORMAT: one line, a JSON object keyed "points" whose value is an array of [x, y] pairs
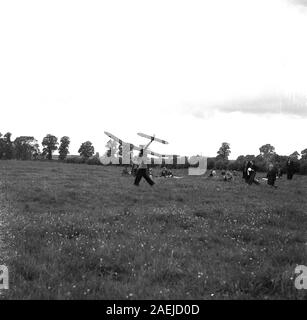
{"points": [[297, 166], [75, 160], [303, 167], [221, 164], [235, 166], [93, 161], [210, 163]]}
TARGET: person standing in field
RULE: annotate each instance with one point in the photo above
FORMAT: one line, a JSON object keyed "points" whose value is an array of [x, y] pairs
{"points": [[251, 173], [271, 175], [142, 171], [279, 172], [290, 168], [245, 171], [245, 176]]}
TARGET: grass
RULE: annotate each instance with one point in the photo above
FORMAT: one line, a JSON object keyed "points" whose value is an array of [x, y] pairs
{"points": [[85, 232]]}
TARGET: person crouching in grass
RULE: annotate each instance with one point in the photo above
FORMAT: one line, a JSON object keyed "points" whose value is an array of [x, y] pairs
{"points": [[271, 175], [142, 171]]}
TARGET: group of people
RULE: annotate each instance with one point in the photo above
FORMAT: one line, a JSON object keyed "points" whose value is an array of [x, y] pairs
{"points": [[226, 175], [141, 170], [166, 173], [250, 169]]}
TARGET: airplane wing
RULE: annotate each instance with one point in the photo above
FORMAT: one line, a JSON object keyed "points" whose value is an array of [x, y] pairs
{"points": [[143, 135], [132, 146], [110, 135]]}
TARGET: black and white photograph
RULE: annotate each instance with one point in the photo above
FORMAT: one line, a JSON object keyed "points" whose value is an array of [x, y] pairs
{"points": [[153, 151]]}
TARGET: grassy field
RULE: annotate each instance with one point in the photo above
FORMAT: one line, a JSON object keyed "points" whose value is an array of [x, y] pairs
{"points": [[85, 232]]}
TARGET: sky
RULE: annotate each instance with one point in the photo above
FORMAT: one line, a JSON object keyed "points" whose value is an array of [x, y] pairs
{"points": [[195, 73]]}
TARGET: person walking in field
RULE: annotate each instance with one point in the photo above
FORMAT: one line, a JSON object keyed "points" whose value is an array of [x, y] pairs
{"points": [[271, 175], [142, 171]]}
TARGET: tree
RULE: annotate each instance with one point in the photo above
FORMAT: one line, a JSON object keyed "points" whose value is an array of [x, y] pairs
{"points": [[267, 153], [86, 150], [263, 163], [303, 166], [224, 151], [63, 149], [250, 157], [239, 163], [1, 146], [280, 161], [267, 149], [8, 146], [304, 154], [26, 148], [295, 155], [49, 143]]}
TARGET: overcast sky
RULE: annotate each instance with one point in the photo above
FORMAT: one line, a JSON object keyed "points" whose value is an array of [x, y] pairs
{"points": [[195, 73]]}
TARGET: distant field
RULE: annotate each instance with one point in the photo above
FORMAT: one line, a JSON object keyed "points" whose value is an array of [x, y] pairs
{"points": [[85, 232]]}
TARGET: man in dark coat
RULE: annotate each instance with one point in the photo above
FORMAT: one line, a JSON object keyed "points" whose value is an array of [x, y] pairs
{"points": [[246, 172], [279, 173], [246, 163], [271, 175], [251, 173], [290, 168]]}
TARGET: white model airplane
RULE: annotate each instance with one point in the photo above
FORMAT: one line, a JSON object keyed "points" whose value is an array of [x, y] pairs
{"points": [[134, 147]]}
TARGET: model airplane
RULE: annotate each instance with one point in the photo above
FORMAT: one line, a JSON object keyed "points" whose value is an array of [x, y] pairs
{"points": [[143, 135], [134, 147]]}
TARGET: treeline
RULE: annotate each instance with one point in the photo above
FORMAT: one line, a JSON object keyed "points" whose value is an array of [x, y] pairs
{"points": [[300, 165], [28, 148], [22, 148], [266, 156]]}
